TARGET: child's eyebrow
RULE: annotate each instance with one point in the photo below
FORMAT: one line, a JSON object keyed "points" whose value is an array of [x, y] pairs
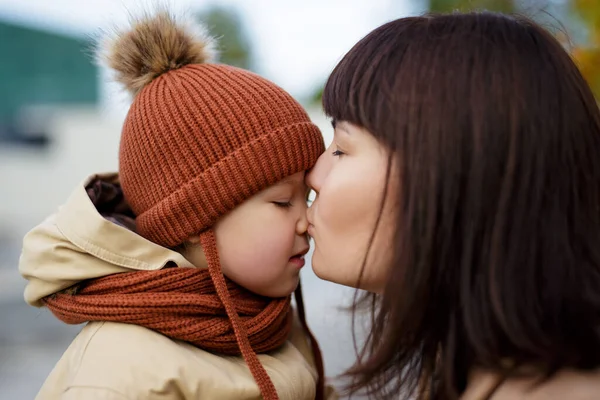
{"points": [[287, 181]]}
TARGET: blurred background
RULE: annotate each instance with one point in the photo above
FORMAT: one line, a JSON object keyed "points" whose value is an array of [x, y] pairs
{"points": [[60, 119]]}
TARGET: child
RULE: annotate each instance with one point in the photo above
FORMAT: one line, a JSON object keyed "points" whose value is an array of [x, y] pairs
{"points": [[183, 263]]}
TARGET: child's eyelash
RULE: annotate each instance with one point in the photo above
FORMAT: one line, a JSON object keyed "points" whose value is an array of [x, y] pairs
{"points": [[286, 204], [337, 153]]}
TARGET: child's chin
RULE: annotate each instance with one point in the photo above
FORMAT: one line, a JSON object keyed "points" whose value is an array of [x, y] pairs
{"points": [[281, 291]]}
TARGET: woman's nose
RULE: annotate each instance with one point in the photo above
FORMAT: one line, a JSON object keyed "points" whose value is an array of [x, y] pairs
{"points": [[315, 176]]}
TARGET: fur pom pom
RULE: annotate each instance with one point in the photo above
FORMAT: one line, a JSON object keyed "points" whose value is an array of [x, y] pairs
{"points": [[154, 45]]}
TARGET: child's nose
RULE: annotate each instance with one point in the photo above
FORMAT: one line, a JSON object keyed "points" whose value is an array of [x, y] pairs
{"points": [[302, 223]]}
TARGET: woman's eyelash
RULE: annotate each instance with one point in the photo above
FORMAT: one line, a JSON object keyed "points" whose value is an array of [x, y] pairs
{"points": [[281, 204], [337, 153]]}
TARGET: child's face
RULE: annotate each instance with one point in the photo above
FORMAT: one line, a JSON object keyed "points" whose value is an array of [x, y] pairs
{"points": [[262, 242]]}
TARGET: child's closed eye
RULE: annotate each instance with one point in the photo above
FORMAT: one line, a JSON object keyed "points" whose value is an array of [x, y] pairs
{"points": [[283, 204]]}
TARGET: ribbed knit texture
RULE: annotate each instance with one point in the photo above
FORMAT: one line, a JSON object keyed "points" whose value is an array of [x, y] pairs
{"points": [[200, 140], [180, 303]]}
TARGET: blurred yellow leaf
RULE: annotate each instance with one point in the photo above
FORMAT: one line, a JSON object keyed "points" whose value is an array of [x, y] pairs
{"points": [[467, 5], [587, 56]]}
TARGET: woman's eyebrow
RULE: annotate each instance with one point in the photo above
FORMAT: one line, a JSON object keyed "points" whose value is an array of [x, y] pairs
{"points": [[342, 127]]}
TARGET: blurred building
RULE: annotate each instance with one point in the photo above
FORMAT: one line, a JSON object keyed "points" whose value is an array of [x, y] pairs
{"points": [[49, 122], [40, 69]]}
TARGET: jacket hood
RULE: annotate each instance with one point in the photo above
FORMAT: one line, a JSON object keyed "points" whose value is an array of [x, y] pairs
{"points": [[91, 236]]}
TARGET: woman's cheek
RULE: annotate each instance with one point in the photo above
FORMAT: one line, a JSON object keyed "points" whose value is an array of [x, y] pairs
{"points": [[346, 215]]}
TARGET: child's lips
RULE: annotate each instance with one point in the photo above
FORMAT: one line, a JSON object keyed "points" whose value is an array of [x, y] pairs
{"points": [[298, 261]]}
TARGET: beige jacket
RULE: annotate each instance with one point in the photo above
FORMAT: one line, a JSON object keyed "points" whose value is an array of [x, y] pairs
{"points": [[119, 361]]}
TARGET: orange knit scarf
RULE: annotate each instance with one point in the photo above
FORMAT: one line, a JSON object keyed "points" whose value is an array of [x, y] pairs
{"points": [[199, 306], [180, 303]]}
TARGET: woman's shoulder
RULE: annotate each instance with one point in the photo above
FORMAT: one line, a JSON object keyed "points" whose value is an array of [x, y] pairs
{"points": [[566, 384]]}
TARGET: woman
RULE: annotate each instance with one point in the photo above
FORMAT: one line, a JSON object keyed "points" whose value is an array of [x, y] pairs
{"points": [[462, 190]]}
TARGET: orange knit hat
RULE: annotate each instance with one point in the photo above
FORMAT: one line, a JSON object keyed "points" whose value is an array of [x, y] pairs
{"points": [[199, 138]]}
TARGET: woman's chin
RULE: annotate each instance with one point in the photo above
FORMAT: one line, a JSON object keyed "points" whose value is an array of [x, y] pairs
{"points": [[331, 273], [324, 273]]}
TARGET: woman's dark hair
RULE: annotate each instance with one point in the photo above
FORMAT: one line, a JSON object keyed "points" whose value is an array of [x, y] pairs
{"points": [[496, 262]]}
